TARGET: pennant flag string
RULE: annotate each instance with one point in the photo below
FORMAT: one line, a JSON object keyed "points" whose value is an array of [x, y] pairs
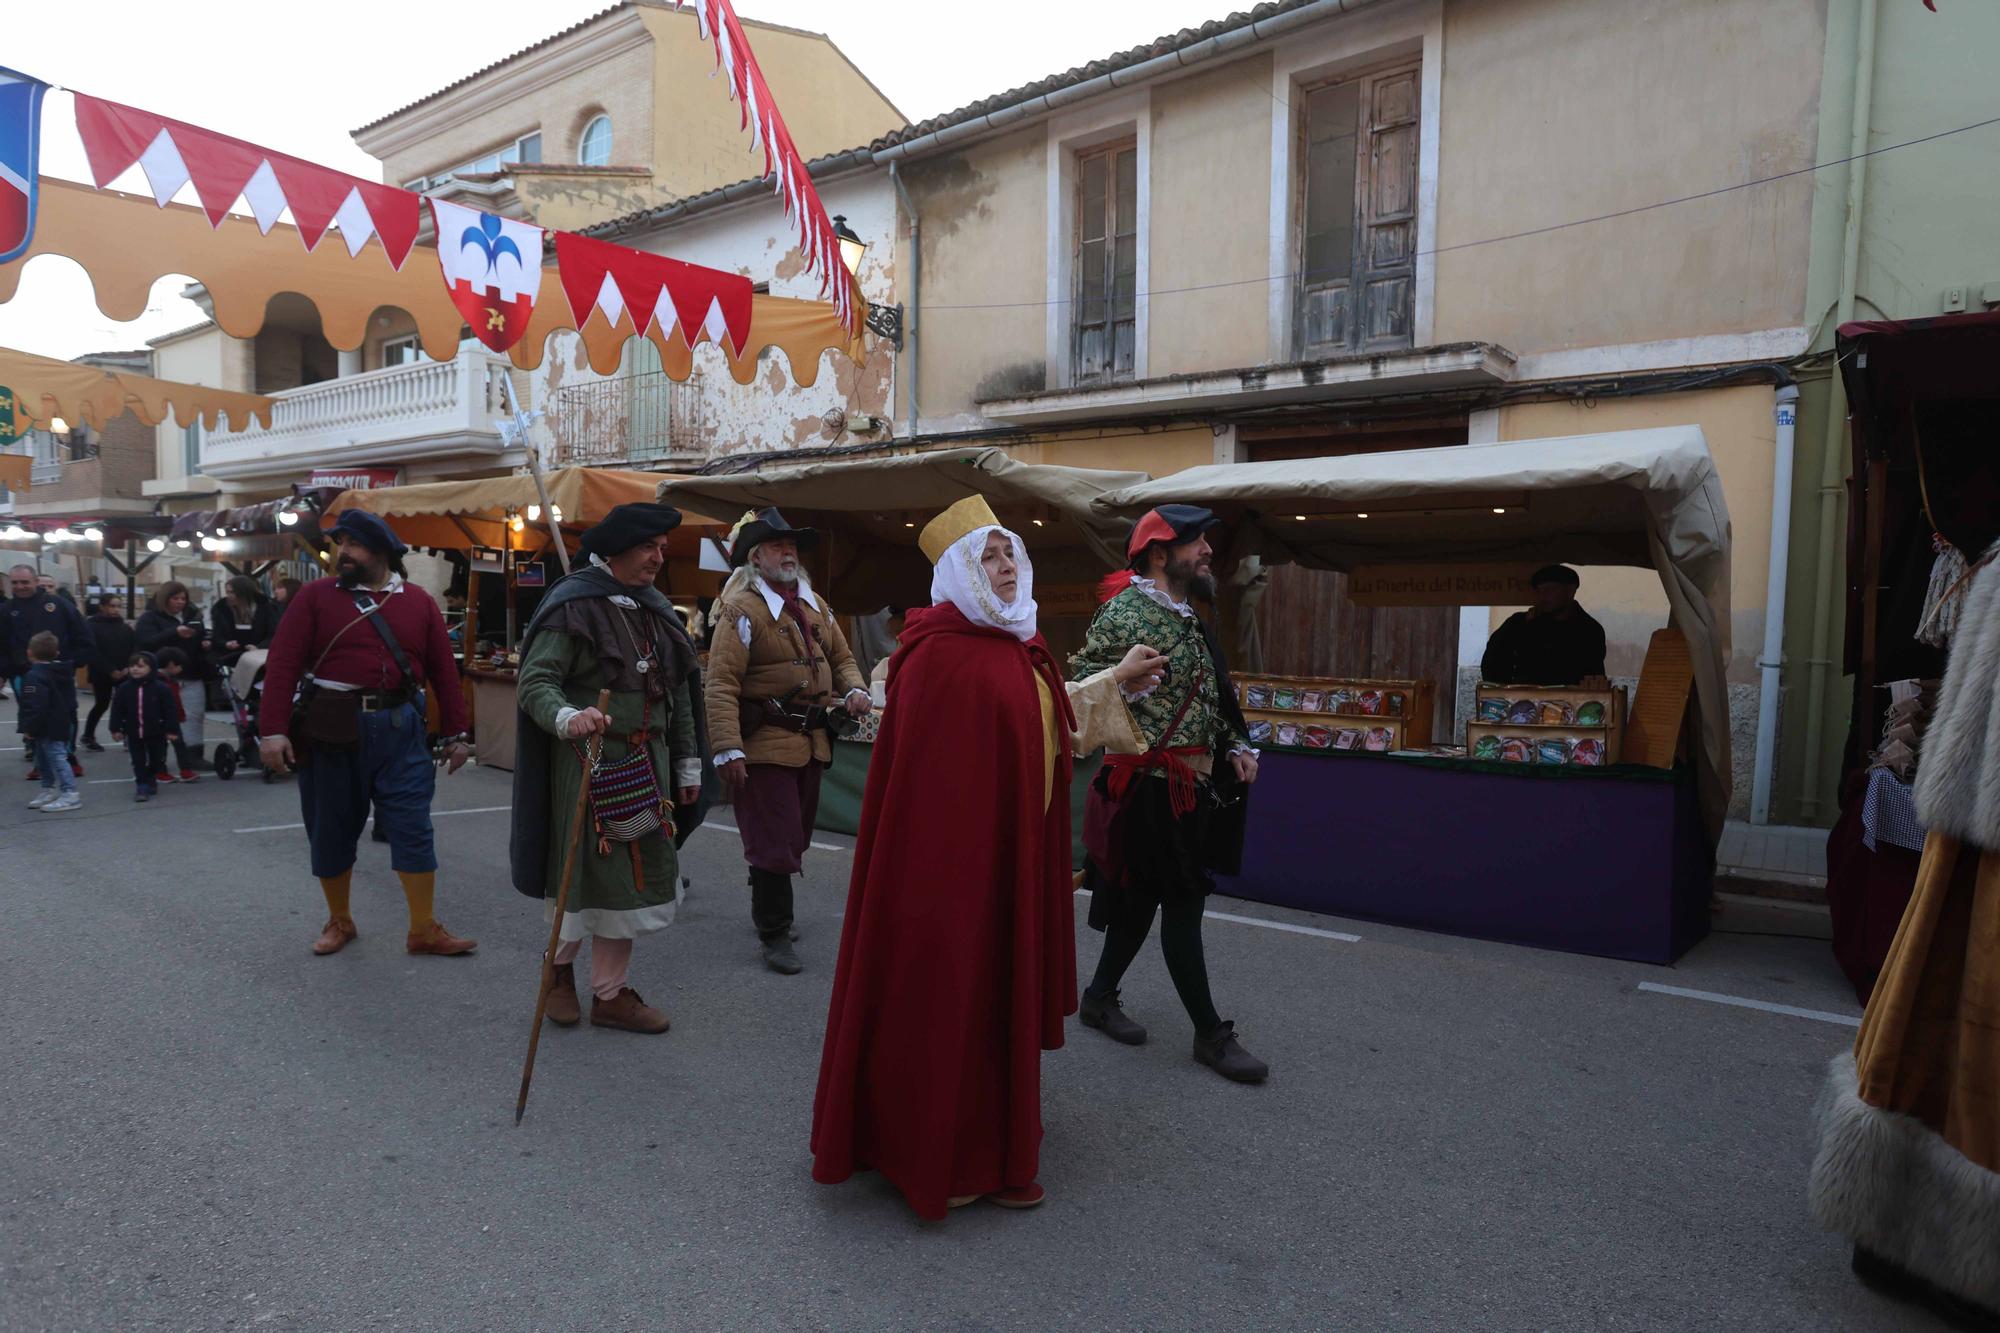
{"points": [[614, 278], [491, 266], [173, 153], [817, 242]]}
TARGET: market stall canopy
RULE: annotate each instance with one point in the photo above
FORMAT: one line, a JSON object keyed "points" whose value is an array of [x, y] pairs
{"points": [[46, 388], [461, 515], [126, 242], [1647, 498], [875, 507]]}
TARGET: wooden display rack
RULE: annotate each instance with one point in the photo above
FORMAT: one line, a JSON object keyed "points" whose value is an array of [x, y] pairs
{"points": [[1409, 728], [1611, 733]]}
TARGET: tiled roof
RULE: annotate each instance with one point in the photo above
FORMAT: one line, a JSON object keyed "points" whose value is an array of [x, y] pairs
{"points": [[557, 37], [1138, 55], [1160, 46]]}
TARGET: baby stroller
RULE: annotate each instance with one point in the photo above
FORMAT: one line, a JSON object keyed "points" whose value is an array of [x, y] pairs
{"points": [[244, 684]]}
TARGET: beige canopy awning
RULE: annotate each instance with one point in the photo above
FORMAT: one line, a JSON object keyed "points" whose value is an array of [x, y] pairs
{"points": [[1646, 498], [46, 388], [875, 507]]}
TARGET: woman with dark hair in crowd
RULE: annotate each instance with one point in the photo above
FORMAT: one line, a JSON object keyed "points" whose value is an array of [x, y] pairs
{"points": [[115, 646], [244, 619], [282, 593], [169, 621]]}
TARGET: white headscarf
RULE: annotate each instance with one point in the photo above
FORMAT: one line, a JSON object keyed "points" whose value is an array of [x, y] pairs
{"points": [[961, 579]]}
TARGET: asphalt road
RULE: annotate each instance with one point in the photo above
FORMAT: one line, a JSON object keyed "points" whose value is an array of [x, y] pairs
{"points": [[207, 1127]]}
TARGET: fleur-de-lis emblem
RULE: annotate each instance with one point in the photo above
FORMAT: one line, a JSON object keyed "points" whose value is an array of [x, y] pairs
{"points": [[486, 239]]}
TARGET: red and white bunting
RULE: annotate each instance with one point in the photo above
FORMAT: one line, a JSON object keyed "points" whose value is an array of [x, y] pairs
{"points": [[614, 279], [817, 242], [224, 169], [492, 268]]}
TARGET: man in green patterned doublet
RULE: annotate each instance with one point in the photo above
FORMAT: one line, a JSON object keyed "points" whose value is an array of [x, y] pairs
{"points": [[1159, 823]]}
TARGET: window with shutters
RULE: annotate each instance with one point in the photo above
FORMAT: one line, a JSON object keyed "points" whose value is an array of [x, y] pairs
{"points": [[1106, 263], [1357, 224]]}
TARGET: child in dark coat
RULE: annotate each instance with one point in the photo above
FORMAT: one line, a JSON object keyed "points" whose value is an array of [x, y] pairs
{"points": [[145, 714], [47, 720], [171, 663]]}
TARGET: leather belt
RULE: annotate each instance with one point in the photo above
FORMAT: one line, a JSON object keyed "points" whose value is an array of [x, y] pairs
{"points": [[377, 701]]}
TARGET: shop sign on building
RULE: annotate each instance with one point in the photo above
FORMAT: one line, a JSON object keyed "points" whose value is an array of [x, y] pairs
{"points": [[357, 478]]}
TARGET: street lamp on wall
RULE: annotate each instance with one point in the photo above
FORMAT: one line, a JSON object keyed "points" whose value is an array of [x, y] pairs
{"points": [[884, 321]]}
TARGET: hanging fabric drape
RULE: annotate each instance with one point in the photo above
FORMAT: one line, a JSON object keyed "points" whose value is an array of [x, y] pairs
{"points": [[126, 243], [45, 388]]}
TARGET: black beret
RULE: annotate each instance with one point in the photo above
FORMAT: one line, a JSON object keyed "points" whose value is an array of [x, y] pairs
{"points": [[626, 526], [369, 530]]}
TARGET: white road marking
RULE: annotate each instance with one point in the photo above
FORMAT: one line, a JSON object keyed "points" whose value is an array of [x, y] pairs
{"points": [[435, 814], [1285, 926], [1819, 1015], [713, 822]]}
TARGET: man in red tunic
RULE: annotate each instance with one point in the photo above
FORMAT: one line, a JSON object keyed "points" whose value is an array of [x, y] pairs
{"points": [[365, 646], [958, 951]]}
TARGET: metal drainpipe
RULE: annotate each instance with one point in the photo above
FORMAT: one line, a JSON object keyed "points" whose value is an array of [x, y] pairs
{"points": [[1832, 472], [1770, 662], [916, 292]]}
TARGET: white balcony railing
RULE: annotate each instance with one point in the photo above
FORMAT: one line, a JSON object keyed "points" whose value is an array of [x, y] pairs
{"points": [[430, 410]]}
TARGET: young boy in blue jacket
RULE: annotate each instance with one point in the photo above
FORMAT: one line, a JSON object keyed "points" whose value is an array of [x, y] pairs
{"points": [[145, 714], [48, 718]]}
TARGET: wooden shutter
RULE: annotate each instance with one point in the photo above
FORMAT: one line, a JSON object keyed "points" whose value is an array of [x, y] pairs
{"points": [[1106, 263], [1357, 213]]}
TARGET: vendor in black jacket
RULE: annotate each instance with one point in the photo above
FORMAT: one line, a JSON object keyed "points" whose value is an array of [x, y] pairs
{"points": [[1554, 642], [116, 643]]}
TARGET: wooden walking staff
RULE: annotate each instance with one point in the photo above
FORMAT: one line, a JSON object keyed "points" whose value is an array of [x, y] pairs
{"points": [[581, 813]]}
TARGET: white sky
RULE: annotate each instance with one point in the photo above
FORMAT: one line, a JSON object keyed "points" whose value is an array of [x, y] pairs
{"points": [[298, 78]]}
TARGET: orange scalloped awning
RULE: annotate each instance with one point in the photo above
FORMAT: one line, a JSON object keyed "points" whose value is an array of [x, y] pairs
{"points": [[45, 388], [126, 242]]}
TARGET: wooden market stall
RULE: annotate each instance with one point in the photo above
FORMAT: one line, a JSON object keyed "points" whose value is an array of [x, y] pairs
{"points": [[1578, 852], [500, 525]]}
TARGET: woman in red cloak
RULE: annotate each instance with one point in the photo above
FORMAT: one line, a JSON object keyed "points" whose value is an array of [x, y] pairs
{"points": [[958, 953]]}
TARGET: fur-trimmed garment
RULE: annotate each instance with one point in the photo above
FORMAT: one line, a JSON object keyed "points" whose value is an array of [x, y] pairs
{"points": [[1958, 772], [1908, 1165], [1888, 1182]]}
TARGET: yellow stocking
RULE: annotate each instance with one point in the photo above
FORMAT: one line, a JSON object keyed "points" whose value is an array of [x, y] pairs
{"points": [[419, 888], [335, 890]]}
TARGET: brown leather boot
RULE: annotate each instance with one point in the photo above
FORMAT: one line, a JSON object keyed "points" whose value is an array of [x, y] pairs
{"points": [[333, 937], [628, 1012], [437, 940], [563, 1010]]}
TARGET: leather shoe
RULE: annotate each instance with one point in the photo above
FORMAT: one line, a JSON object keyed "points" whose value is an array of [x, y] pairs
{"points": [[628, 1013], [435, 939], [333, 937], [1029, 1195], [563, 1010], [1220, 1051], [1109, 1018], [782, 958]]}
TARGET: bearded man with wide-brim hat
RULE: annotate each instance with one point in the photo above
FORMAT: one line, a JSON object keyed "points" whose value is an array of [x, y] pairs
{"points": [[780, 681], [607, 627]]}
